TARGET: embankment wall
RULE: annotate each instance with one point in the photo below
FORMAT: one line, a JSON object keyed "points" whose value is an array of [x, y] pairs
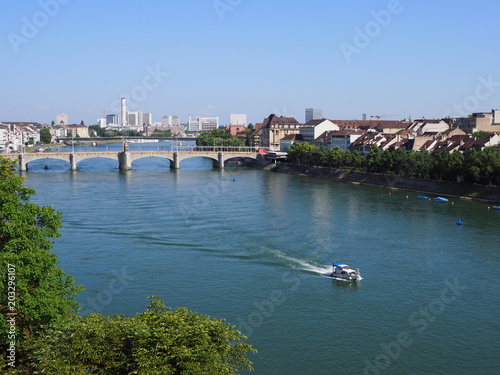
{"points": [[426, 187]]}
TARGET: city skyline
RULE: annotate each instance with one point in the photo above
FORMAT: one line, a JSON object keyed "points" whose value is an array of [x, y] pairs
{"points": [[220, 57]]}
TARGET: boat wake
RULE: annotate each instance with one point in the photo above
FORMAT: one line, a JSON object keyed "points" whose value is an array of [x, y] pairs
{"points": [[300, 264]]}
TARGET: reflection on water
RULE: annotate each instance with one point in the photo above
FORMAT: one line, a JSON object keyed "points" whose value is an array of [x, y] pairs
{"points": [[223, 242]]}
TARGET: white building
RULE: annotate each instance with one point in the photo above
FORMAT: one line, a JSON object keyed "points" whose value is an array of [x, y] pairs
{"points": [[238, 119], [170, 120], [101, 122], [314, 128], [134, 119], [4, 131], [203, 123], [61, 119]]}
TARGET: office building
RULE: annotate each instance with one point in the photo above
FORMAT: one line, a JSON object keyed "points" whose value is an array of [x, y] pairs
{"points": [[112, 119], [203, 123], [170, 120], [134, 119], [313, 114], [147, 119]]}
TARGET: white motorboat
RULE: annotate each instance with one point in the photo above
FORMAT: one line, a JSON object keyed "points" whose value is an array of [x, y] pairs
{"points": [[343, 272]]}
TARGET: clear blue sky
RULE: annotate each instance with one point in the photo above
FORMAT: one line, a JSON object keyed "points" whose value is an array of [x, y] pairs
{"points": [[421, 59]]}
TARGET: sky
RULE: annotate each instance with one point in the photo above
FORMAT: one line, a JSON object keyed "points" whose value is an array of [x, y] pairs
{"points": [[394, 58]]}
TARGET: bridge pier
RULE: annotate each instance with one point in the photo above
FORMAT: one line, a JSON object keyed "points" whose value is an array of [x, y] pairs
{"points": [[175, 164], [220, 161], [22, 163], [124, 161], [72, 162]]}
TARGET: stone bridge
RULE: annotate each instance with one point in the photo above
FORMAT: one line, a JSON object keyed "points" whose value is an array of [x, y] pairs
{"points": [[126, 158]]}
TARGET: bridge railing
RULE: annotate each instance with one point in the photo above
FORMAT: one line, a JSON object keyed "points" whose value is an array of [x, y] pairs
{"points": [[194, 148]]}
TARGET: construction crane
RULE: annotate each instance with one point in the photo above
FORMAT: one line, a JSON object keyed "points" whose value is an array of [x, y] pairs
{"points": [[381, 116]]}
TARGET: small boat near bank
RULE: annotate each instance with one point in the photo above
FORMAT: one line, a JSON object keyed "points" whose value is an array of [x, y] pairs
{"points": [[440, 199], [343, 272]]}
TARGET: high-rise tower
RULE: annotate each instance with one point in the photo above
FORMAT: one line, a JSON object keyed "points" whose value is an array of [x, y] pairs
{"points": [[124, 112]]}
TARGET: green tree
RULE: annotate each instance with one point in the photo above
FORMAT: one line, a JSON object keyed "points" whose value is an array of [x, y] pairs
{"points": [[43, 292], [353, 160], [373, 160], [301, 153], [491, 162], [45, 136], [162, 133], [250, 126], [480, 134], [82, 123], [53, 123], [158, 341], [335, 157], [218, 137], [391, 160], [101, 132]]}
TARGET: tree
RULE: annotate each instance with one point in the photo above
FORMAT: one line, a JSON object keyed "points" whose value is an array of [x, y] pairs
{"points": [[43, 292], [45, 136], [301, 152], [218, 137], [373, 160], [250, 126], [98, 130], [480, 134], [335, 157], [53, 123], [162, 133], [158, 341], [82, 123]]}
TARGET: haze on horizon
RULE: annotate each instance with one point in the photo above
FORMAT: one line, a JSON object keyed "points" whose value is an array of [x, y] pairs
{"points": [[215, 57]]}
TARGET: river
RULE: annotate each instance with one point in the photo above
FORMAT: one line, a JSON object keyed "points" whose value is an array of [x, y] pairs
{"points": [[250, 246]]}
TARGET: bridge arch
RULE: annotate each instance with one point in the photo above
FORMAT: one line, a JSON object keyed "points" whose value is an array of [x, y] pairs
{"points": [[80, 162]]}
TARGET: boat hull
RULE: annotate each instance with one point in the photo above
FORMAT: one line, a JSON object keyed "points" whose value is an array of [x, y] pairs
{"points": [[350, 279]]}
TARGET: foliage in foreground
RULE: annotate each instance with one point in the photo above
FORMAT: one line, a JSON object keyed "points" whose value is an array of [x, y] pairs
{"points": [[32, 288], [158, 341]]}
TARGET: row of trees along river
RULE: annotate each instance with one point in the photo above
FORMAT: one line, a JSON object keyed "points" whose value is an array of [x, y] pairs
{"points": [[41, 332], [474, 166]]}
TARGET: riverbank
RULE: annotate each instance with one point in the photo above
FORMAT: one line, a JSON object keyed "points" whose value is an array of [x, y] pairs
{"points": [[427, 187]]}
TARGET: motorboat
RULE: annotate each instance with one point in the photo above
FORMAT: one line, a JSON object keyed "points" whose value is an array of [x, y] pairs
{"points": [[496, 207], [422, 197], [343, 272]]}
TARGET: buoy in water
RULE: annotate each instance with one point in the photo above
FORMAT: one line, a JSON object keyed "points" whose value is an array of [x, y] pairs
{"points": [[459, 222]]}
